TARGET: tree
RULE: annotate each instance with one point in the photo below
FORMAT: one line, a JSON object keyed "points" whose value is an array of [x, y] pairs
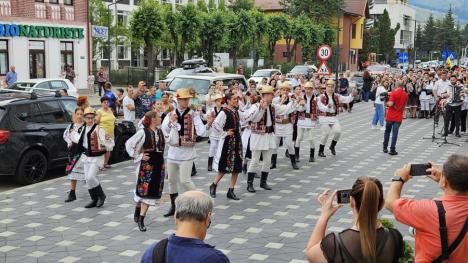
{"points": [[189, 27], [201, 5], [213, 24], [221, 5], [429, 36], [288, 35], [418, 42], [98, 16], [211, 5], [448, 33], [274, 25], [237, 5], [172, 21], [385, 35], [318, 10], [146, 24], [239, 26], [259, 30]]}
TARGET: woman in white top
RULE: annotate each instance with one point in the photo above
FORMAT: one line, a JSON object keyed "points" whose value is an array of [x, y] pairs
{"points": [[379, 113]]}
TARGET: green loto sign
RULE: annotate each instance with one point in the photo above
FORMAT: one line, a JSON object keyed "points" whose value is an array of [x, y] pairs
{"points": [[15, 30]]}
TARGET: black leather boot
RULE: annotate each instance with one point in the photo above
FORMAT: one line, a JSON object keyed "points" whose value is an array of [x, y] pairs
{"points": [[293, 162], [263, 181], [244, 168], [321, 149], [210, 164], [171, 211], [312, 156], [136, 215], [332, 147], [141, 223], [231, 194], [286, 154], [250, 179], [296, 153], [273, 161], [71, 196], [94, 198], [101, 196], [213, 190], [194, 170]]}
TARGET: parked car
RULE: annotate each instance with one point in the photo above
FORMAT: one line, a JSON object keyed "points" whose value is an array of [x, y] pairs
{"points": [[356, 82], [201, 82], [306, 70], [45, 86], [264, 73], [188, 67], [31, 134]]}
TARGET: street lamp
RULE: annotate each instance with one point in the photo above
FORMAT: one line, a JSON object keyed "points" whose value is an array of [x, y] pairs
{"points": [[109, 33]]}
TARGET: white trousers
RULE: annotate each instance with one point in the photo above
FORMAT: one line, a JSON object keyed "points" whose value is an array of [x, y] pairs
{"points": [[305, 135], [179, 173], [327, 129], [287, 143], [213, 147], [90, 171], [255, 162], [425, 105]]}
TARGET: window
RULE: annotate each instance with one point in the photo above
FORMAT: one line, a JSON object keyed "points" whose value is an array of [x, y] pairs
{"points": [[37, 68], [3, 57], [122, 19], [66, 54], [68, 2], [52, 112], [28, 113], [70, 106], [53, 1], [39, 1], [406, 20], [353, 31], [58, 85], [405, 37], [122, 52]]}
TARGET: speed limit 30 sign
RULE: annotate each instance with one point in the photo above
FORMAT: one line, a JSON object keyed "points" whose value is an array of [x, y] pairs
{"points": [[324, 52]]}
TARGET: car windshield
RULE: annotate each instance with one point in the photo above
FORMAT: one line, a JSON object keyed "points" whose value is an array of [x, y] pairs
{"points": [[200, 85], [263, 73], [299, 69], [21, 85], [178, 72]]}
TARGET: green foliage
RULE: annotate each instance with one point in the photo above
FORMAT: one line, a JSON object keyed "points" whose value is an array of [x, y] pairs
{"points": [[189, 27], [221, 5], [273, 27], [408, 250], [237, 5], [239, 26], [98, 16], [213, 24], [385, 35], [201, 5], [211, 5], [419, 41], [318, 10]]}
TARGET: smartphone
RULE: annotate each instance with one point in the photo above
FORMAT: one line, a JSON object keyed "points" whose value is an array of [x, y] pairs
{"points": [[343, 196], [420, 169]]}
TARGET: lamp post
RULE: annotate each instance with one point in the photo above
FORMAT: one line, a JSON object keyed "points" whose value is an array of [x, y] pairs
{"points": [[109, 34]]}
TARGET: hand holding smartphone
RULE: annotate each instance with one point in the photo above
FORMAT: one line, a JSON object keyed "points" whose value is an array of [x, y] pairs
{"points": [[420, 169], [343, 196]]}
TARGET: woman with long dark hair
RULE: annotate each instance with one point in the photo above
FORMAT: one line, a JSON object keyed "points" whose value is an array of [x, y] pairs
{"points": [[147, 149], [367, 240], [367, 86]]}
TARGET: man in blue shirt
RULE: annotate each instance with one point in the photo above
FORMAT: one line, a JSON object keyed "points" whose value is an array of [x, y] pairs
{"points": [[161, 90], [108, 93], [11, 76], [193, 218]]}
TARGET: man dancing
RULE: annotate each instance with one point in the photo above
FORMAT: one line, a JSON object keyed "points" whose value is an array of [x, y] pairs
{"points": [[307, 120], [214, 135], [328, 106]]}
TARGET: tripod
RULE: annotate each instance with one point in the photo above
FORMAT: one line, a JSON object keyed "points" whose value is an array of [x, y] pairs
{"points": [[433, 137]]}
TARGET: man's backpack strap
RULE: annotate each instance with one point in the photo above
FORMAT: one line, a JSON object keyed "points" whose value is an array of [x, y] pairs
{"points": [[446, 251], [159, 251]]}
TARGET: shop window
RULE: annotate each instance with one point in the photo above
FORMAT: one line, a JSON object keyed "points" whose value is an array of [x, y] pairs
{"points": [[68, 2], [66, 54], [37, 68], [3, 57], [353, 31]]}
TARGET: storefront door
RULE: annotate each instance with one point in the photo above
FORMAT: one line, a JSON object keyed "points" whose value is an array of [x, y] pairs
{"points": [[36, 60]]}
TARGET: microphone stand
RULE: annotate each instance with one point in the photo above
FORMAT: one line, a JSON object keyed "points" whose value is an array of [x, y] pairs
{"points": [[445, 142], [433, 137]]}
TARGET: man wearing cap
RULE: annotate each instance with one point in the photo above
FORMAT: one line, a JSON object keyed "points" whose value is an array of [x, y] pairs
{"points": [[329, 108], [214, 135], [184, 124], [284, 128], [262, 140], [307, 120], [92, 142]]}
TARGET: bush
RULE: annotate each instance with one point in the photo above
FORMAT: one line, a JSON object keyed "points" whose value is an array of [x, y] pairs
{"points": [[408, 250]]}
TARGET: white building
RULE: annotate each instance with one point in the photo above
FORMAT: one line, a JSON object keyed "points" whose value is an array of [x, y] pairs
{"points": [[399, 12]]}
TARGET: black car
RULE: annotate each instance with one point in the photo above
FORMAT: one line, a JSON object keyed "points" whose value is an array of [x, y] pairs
{"points": [[31, 134]]}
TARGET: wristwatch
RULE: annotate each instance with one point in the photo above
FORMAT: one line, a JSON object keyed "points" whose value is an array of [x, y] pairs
{"points": [[397, 179]]}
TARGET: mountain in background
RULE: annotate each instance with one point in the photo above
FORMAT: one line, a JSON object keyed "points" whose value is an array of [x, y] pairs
{"points": [[425, 7]]}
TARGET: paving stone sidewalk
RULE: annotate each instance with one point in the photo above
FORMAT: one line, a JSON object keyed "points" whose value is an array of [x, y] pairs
{"points": [[270, 226]]}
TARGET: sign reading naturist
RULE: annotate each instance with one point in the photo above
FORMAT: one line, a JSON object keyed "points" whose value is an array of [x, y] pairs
{"points": [[33, 31]]}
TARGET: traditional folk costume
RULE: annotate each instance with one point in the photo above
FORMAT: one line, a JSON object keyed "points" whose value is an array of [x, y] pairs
{"points": [[181, 154], [92, 144], [284, 130], [215, 136], [328, 107], [307, 120], [149, 174], [74, 168], [262, 140], [246, 132]]}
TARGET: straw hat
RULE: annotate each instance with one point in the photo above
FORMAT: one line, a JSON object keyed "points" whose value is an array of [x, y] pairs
{"points": [[330, 82], [89, 110], [309, 85], [141, 83], [267, 89], [218, 96], [184, 93], [285, 85]]}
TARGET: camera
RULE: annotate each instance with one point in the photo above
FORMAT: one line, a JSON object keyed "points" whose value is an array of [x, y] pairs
{"points": [[384, 96], [343, 196]]}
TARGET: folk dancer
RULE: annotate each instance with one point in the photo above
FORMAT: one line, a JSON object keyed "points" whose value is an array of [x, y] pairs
{"points": [[215, 136], [92, 142], [74, 168], [146, 148], [294, 119], [328, 106], [283, 127], [250, 100], [181, 154], [262, 140], [229, 154], [307, 120]]}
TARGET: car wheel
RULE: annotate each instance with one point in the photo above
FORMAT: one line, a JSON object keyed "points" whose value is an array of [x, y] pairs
{"points": [[119, 153], [32, 167]]}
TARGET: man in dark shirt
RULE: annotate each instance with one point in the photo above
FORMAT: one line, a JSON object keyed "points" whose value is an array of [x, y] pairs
{"points": [[396, 107], [193, 218], [142, 101]]}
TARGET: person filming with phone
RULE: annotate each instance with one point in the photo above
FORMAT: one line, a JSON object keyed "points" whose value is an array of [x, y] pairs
{"points": [[440, 224], [367, 240]]}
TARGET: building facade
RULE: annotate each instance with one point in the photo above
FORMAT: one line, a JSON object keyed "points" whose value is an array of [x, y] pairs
{"points": [[40, 37]]}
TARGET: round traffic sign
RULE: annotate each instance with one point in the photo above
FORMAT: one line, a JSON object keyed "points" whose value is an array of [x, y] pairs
{"points": [[324, 52]]}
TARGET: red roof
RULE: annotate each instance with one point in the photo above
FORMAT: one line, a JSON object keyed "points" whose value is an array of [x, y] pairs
{"points": [[268, 5], [356, 7]]}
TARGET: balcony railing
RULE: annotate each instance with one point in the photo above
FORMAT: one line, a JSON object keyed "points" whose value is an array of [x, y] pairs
{"points": [[5, 8], [41, 10]]}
